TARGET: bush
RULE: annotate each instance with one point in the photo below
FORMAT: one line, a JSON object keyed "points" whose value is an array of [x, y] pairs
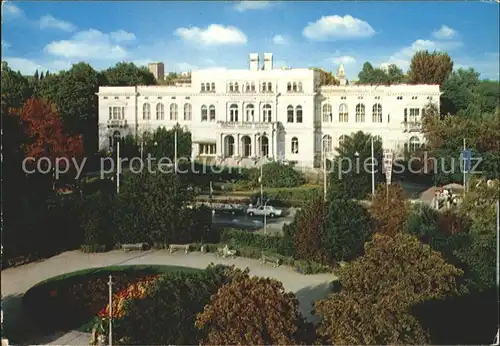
{"points": [[276, 175], [238, 237], [96, 219], [308, 268], [167, 315], [291, 197]]}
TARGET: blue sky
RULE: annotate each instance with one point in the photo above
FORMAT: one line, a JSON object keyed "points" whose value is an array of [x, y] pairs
{"points": [[209, 34]]}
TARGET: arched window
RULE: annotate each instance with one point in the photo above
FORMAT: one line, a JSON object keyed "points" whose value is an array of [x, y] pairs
{"points": [[211, 112], [213, 87], [202, 87], [414, 144], [252, 87], [300, 86], [289, 114], [246, 145], [360, 113], [342, 139], [174, 111], [298, 114], [343, 113], [146, 111], [269, 86], [160, 111], [233, 113], [267, 113], [294, 86], [295, 145], [327, 113], [236, 87], [288, 86], [228, 146], [327, 144], [264, 146], [204, 114], [231, 88], [249, 113], [187, 111], [208, 87], [377, 113], [264, 87], [247, 87]]}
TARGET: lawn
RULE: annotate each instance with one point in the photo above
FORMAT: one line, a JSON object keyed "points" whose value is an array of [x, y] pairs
{"points": [[71, 301]]}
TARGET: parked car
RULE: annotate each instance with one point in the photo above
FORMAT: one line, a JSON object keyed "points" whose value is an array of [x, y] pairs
{"points": [[265, 210], [231, 209]]}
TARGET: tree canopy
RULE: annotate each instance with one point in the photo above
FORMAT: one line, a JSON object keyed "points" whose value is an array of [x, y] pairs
{"points": [[370, 75], [429, 68], [378, 289], [389, 209], [128, 74], [236, 314]]}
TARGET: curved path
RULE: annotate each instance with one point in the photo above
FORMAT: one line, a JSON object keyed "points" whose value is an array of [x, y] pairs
{"points": [[16, 281]]}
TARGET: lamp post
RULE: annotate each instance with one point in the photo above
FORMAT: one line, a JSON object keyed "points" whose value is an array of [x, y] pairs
{"points": [[325, 181], [110, 285], [118, 167], [175, 148], [265, 217], [261, 167]]}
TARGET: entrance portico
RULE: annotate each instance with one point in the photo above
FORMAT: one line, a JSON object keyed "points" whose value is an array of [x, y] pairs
{"points": [[246, 140]]}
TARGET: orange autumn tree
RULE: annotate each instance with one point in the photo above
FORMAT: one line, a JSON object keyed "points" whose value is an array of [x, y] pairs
{"points": [[389, 209], [253, 311], [47, 138]]}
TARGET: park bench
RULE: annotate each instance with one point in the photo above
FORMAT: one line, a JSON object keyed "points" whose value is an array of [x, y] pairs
{"points": [[174, 247], [17, 261], [137, 246], [275, 261]]}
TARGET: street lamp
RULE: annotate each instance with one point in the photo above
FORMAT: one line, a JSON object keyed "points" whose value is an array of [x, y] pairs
{"points": [[325, 181], [261, 166], [265, 217]]}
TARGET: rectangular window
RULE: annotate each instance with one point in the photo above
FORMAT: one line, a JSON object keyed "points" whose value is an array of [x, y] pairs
{"points": [[414, 114]]}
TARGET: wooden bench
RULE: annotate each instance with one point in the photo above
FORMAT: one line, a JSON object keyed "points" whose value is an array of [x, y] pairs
{"points": [[17, 261], [130, 247], [270, 259], [174, 247]]}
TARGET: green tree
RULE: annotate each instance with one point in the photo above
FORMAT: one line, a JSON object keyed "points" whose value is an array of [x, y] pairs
{"points": [[490, 93], [326, 78], [276, 175], [128, 74], [459, 91], [346, 229], [152, 208], [378, 290], [15, 89], [429, 68], [351, 173], [162, 143], [235, 314], [370, 75]]}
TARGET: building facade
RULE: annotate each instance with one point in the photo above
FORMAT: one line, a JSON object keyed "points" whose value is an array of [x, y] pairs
{"points": [[237, 117], [157, 69]]}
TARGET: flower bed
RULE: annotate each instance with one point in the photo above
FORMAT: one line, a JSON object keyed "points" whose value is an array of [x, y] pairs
{"points": [[70, 301]]}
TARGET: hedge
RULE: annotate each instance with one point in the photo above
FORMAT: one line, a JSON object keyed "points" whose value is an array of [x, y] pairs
{"points": [[238, 237]]}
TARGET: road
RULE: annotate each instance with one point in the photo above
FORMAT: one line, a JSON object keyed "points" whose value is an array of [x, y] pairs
{"points": [[253, 222]]}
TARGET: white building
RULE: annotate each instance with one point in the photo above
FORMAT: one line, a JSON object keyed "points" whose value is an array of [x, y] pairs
{"points": [[237, 116]]}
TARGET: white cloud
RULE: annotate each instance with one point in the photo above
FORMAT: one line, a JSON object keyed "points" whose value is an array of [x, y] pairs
{"points": [[279, 39], [5, 45], [337, 28], [444, 33], [89, 44], [28, 67], [122, 36], [403, 56], [242, 6], [49, 22], [345, 60], [213, 35], [11, 10]]}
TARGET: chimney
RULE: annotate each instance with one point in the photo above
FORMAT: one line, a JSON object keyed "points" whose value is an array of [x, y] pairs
{"points": [[253, 60], [268, 61]]}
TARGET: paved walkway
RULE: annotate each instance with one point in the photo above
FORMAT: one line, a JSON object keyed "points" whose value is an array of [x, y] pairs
{"points": [[16, 281]]}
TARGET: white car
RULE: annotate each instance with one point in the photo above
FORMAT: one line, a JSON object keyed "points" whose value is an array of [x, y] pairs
{"points": [[265, 210]]}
